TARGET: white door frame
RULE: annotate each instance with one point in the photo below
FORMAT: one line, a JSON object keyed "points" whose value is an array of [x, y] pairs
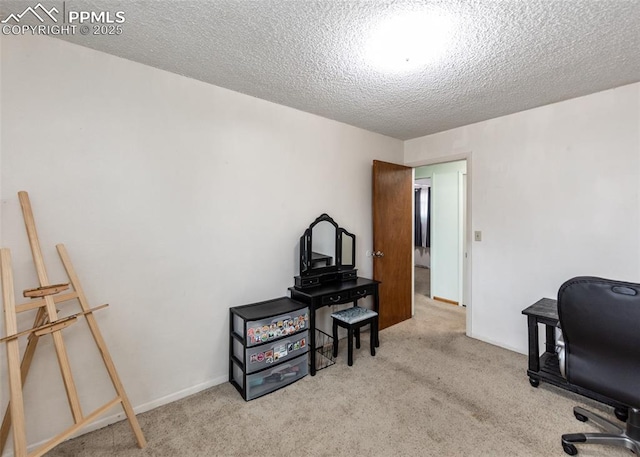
{"points": [[467, 292]]}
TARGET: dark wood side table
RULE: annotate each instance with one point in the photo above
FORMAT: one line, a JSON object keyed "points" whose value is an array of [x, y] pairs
{"points": [[546, 367], [334, 293]]}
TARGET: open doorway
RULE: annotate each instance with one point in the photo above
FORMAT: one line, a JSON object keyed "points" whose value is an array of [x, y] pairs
{"points": [[440, 253]]}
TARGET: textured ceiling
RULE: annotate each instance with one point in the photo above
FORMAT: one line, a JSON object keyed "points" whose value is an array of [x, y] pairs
{"points": [[502, 57]]}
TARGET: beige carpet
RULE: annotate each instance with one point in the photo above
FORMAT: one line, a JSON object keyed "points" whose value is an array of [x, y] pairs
{"points": [[429, 391]]}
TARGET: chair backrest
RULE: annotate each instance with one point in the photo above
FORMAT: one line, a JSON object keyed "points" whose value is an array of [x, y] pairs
{"points": [[600, 322]]}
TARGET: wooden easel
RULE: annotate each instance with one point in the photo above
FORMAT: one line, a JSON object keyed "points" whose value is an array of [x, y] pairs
{"points": [[44, 299]]}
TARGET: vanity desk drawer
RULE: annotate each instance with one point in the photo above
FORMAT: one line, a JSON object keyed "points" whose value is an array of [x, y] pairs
{"points": [[337, 298], [348, 275], [346, 296], [362, 292], [310, 281]]}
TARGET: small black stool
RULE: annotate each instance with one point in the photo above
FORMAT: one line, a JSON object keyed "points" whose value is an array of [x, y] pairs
{"points": [[352, 319]]}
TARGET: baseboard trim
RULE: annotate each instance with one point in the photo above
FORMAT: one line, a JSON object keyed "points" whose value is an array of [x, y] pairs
{"points": [[112, 419], [500, 345], [446, 300]]}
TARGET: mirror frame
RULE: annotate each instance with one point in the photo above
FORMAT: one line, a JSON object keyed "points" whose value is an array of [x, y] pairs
{"points": [[306, 243]]}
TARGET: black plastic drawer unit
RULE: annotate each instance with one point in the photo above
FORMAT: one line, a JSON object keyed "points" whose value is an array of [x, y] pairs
{"points": [[268, 346]]}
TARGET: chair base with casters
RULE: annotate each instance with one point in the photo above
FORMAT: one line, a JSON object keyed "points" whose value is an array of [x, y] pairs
{"points": [[353, 319], [628, 437]]}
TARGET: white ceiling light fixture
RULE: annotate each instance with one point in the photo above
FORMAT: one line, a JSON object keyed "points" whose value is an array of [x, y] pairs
{"points": [[409, 41]]}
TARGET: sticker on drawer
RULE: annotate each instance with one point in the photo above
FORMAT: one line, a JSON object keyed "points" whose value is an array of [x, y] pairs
{"points": [[278, 352]]}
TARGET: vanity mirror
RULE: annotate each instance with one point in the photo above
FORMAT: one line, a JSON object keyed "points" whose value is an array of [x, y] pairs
{"points": [[327, 253]]}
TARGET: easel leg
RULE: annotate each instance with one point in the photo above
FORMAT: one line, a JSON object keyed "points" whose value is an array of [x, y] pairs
{"points": [[65, 367], [102, 346], [16, 404], [24, 371]]}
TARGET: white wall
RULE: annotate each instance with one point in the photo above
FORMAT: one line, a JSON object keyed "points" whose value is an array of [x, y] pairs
{"points": [[446, 225], [176, 200], [555, 191]]}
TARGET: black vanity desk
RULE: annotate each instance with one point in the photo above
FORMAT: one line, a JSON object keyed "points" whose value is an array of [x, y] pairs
{"points": [[333, 293]]}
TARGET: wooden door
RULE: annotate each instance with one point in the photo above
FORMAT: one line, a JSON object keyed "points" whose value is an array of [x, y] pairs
{"points": [[392, 240]]}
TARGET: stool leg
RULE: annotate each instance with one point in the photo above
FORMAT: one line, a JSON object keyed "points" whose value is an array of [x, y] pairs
{"points": [[377, 331], [375, 320], [357, 332], [335, 338], [350, 352], [372, 337]]}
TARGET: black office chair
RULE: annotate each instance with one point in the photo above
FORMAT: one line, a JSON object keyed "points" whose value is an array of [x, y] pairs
{"points": [[600, 323]]}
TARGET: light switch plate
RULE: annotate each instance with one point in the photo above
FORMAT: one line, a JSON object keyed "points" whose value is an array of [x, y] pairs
{"points": [[477, 235]]}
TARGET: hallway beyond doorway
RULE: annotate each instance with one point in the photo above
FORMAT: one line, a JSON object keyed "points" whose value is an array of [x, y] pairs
{"points": [[422, 277]]}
